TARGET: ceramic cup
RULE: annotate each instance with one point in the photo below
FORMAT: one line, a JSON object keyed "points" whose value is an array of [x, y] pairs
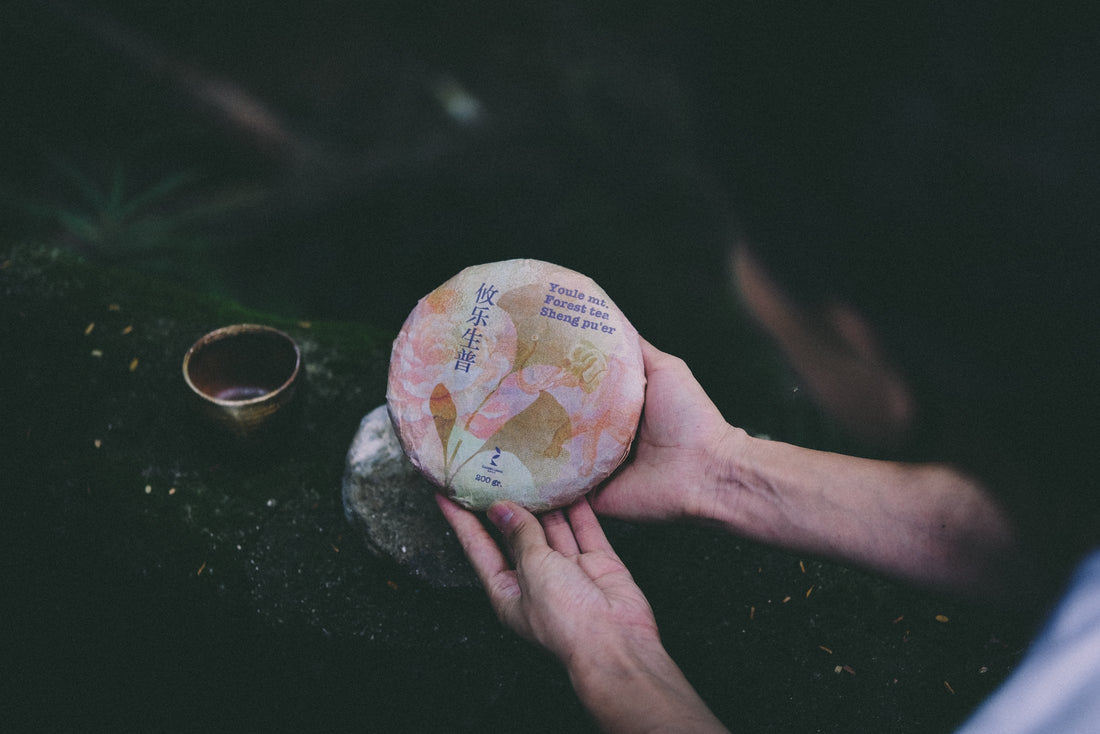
{"points": [[244, 377]]}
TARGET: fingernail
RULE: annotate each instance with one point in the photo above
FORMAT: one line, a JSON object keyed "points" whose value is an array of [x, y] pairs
{"points": [[500, 514]]}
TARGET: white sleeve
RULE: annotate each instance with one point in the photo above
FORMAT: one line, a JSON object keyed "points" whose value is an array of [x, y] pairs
{"points": [[1056, 687]]}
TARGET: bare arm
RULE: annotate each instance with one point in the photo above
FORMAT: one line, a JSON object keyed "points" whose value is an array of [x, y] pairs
{"points": [[925, 523]]}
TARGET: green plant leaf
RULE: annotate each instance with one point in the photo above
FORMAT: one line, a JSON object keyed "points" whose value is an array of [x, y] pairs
{"points": [[79, 226], [157, 192]]}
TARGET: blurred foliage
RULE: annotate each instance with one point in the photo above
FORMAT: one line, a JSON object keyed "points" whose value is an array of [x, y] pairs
{"points": [[311, 160], [165, 225], [105, 216]]}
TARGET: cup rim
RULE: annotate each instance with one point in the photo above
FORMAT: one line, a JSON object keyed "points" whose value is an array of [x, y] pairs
{"points": [[232, 330]]}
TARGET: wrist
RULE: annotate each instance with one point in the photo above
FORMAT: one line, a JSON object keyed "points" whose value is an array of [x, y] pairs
{"points": [[724, 468], [636, 686], [754, 490]]}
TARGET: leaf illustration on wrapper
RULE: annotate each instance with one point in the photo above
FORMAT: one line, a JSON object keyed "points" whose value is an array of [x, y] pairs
{"points": [[537, 337], [444, 412], [537, 436]]}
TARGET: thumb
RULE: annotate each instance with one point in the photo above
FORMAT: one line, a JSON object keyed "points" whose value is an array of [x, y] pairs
{"points": [[521, 530]]}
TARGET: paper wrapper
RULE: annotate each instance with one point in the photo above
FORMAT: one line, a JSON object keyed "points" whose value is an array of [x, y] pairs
{"points": [[516, 380]]}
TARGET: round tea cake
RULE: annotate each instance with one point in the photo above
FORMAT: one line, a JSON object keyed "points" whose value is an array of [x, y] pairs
{"points": [[516, 380]]}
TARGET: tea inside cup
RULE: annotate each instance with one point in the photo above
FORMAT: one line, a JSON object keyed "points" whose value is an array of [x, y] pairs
{"points": [[243, 375]]}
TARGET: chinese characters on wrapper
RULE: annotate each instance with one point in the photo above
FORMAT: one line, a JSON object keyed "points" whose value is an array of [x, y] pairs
{"points": [[470, 344]]}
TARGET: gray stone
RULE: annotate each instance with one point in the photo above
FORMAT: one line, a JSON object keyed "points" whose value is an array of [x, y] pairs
{"points": [[392, 503]]}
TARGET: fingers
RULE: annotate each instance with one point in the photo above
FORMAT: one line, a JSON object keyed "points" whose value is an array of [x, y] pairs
{"points": [[569, 532], [484, 554], [586, 528], [651, 355], [559, 534], [521, 530], [498, 579], [649, 352]]}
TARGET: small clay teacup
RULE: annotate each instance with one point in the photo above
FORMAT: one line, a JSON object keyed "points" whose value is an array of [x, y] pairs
{"points": [[245, 377]]}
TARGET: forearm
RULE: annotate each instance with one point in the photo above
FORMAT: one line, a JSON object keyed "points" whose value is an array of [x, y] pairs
{"points": [[639, 689], [925, 523]]}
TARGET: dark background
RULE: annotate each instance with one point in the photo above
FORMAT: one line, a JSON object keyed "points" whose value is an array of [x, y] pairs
{"points": [[299, 159], [598, 147]]}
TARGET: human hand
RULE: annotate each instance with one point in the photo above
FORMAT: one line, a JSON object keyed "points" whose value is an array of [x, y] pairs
{"points": [[568, 590], [683, 444], [570, 593]]}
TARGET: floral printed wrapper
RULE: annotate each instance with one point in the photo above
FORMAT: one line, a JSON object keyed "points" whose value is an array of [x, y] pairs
{"points": [[516, 380]]}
